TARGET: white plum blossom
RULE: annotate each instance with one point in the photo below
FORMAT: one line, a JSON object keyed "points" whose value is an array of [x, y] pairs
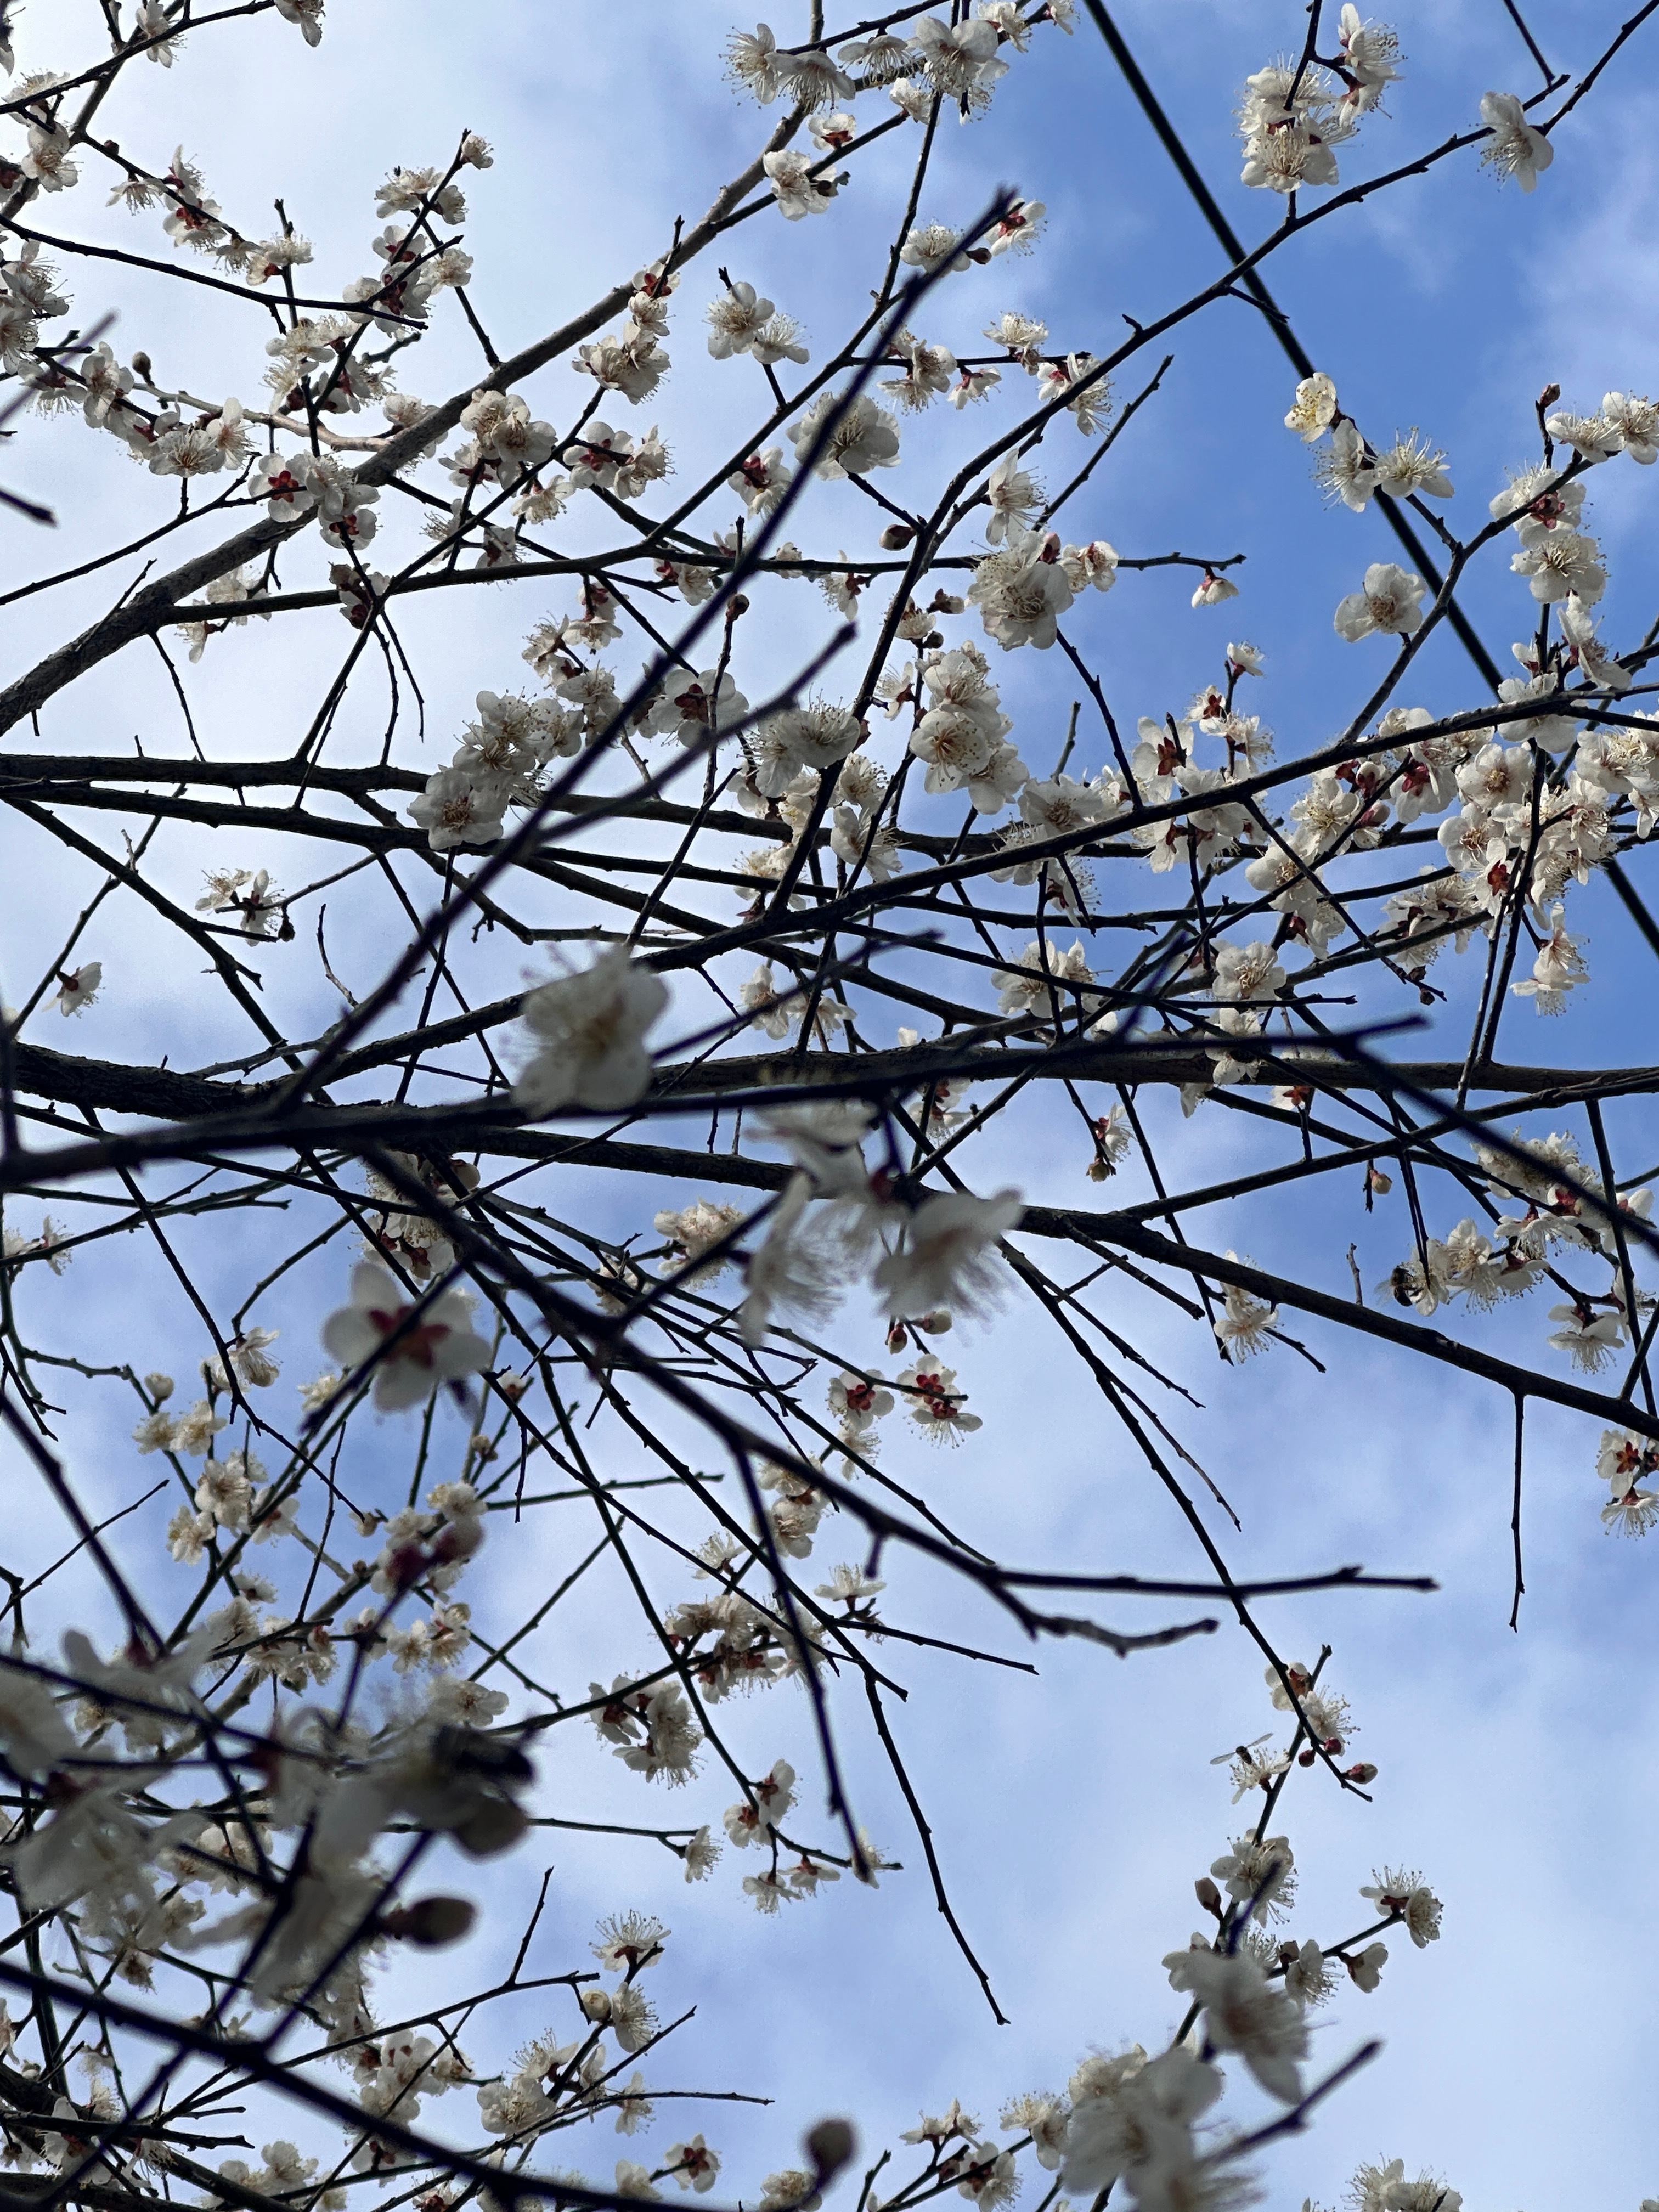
{"points": [[461, 807], [1389, 602], [1514, 149], [412, 1352], [1015, 229], [1309, 1979], [960, 60], [1405, 1897], [1561, 564], [1557, 967], [1314, 408], [1095, 564], [79, 987], [753, 62], [860, 435], [1244, 1323], [1077, 383], [1260, 1875], [814, 79], [928, 371], [307, 16], [1243, 2012], [944, 1259], [1012, 497], [691, 1230], [1632, 420], [789, 1269], [1022, 590], [1590, 1340], [1291, 121], [934, 1403], [797, 189], [1411, 468], [933, 246], [1213, 590], [754, 1818], [1365, 1967], [735, 319], [588, 1031], [692, 2164], [1133, 2118]]}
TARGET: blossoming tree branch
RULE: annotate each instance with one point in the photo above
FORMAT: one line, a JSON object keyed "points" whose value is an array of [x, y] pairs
{"points": [[616, 1081]]}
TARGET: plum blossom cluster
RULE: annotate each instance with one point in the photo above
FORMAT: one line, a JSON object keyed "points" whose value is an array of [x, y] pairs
{"points": [[1294, 115], [1541, 798], [1547, 1210], [631, 361], [1149, 2123], [938, 61], [292, 1866], [498, 765], [793, 927]]}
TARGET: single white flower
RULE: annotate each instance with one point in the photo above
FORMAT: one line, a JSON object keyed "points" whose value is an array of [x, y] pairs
{"points": [[1390, 601], [1314, 408], [1212, 590], [1243, 2012], [797, 191], [589, 1029], [693, 2165], [78, 987], [440, 1346], [864, 436], [945, 1260], [1514, 149]]}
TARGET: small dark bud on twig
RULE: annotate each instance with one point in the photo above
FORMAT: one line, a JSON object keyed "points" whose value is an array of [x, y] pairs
{"points": [[829, 2145], [430, 1922]]}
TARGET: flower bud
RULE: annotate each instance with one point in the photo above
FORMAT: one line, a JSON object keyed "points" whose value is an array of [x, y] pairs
{"points": [[1381, 1184], [596, 2003], [1306, 1758], [1207, 1895], [896, 536], [1549, 395], [1362, 1773], [431, 1921], [492, 1826], [896, 1338], [829, 2145]]}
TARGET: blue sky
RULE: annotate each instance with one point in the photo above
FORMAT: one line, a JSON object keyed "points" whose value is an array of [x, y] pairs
{"points": [[1073, 1811]]}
